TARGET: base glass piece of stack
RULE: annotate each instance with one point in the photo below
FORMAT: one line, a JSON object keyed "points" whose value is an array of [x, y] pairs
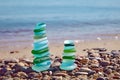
{"points": [[68, 56], [40, 51]]}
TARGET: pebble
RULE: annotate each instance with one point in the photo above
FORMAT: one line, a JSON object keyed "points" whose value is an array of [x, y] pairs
{"points": [[56, 64], [13, 60], [33, 75], [46, 77], [60, 74], [101, 78], [57, 78], [100, 49], [81, 73], [104, 63], [12, 52], [21, 64], [85, 69], [84, 61], [100, 66], [22, 75]]}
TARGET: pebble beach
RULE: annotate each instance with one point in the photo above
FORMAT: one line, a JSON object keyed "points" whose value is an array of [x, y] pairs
{"points": [[96, 60]]}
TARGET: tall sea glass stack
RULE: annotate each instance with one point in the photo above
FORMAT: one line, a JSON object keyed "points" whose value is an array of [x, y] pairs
{"points": [[40, 50], [68, 56]]}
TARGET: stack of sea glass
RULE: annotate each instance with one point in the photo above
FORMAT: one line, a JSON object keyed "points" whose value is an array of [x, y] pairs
{"points": [[41, 51], [68, 56]]}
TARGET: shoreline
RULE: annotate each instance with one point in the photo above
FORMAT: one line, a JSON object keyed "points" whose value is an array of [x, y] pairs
{"points": [[23, 49]]}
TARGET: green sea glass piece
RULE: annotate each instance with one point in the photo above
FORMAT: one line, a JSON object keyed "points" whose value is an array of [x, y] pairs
{"points": [[40, 51], [68, 56]]}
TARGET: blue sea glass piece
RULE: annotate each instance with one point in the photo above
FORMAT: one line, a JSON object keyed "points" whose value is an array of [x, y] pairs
{"points": [[40, 50], [68, 56]]}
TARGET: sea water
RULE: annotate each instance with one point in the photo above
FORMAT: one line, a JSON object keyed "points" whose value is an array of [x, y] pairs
{"points": [[65, 19]]}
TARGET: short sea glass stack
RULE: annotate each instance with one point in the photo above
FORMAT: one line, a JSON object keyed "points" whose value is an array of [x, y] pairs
{"points": [[68, 56], [40, 51]]}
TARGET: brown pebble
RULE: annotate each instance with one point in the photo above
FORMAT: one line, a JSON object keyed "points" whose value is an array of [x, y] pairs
{"points": [[11, 52], [60, 74], [22, 74], [57, 78], [85, 69], [81, 73], [116, 77], [46, 77]]}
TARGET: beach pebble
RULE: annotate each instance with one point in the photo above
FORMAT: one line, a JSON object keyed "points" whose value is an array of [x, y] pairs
{"points": [[116, 77], [16, 78], [21, 64], [100, 49], [57, 78], [108, 71], [104, 63], [45, 72], [97, 69], [1, 60], [18, 68], [101, 78], [13, 60], [46, 77], [84, 61], [60, 74], [22, 75], [81, 73], [3, 71], [85, 69], [91, 73], [34, 75], [56, 64], [53, 69], [26, 60]]}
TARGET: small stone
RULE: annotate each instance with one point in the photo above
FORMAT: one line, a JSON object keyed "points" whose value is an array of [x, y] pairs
{"points": [[21, 64], [100, 49], [85, 69], [91, 73], [55, 64], [60, 74], [84, 61], [53, 69], [13, 60], [22, 75], [97, 69], [28, 61], [11, 52], [11, 64], [18, 68], [108, 71], [2, 65], [33, 75], [46, 77], [104, 63], [16, 78], [100, 78], [81, 73], [8, 68], [57, 78], [3, 71], [116, 77], [45, 72], [0, 60]]}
